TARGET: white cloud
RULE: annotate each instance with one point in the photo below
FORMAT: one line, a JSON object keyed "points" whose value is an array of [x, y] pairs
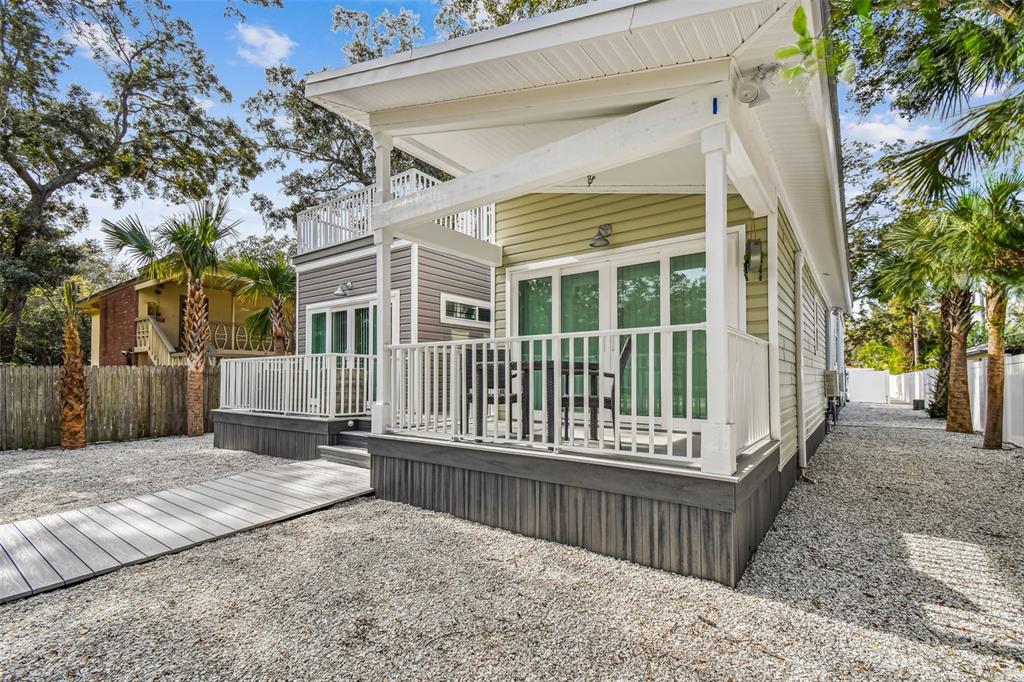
{"points": [[880, 128], [94, 41], [204, 103], [262, 45]]}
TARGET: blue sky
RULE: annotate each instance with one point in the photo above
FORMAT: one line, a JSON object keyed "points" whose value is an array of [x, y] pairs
{"points": [[300, 35]]}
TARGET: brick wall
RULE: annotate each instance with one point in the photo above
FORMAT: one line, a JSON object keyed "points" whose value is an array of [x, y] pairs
{"points": [[117, 325]]}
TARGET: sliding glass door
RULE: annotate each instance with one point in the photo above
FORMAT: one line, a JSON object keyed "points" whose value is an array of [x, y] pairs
{"points": [[631, 291]]}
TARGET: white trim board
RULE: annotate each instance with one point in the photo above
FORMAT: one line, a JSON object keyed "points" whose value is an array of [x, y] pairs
{"points": [[370, 251], [364, 301]]}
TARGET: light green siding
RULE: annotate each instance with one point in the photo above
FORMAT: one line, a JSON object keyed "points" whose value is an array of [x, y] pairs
{"points": [[786, 255], [540, 227], [815, 321]]}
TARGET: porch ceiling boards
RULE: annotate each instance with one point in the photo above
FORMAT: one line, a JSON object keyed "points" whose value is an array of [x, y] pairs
{"points": [[591, 41]]}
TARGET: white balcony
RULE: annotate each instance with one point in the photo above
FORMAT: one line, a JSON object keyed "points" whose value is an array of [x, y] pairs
{"points": [[622, 393], [347, 216]]}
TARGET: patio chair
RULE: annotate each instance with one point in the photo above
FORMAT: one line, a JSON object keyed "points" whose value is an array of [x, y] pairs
{"points": [[480, 373], [594, 402]]}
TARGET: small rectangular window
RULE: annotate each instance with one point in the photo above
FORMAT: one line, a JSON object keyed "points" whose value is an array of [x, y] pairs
{"points": [[468, 312]]}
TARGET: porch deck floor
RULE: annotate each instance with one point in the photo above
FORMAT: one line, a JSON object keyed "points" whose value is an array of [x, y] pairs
{"points": [[59, 549]]}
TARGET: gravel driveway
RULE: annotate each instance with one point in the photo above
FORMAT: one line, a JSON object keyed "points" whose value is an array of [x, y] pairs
{"points": [[902, 560], [36, 482]]}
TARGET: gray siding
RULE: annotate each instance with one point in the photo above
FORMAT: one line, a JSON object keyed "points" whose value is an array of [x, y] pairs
{"points": [[441, 273], [318, 285]]}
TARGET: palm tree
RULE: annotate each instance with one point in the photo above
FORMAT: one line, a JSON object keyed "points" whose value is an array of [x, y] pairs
{"points": [[255, 280], [73, 392], [186, 248], [917, 265], [982, 50], [987, 228]]}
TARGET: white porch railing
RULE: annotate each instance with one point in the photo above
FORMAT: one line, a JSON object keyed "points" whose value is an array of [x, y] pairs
{"points": [[636, 392], [347, 216], [749, 409], [322, 385]]}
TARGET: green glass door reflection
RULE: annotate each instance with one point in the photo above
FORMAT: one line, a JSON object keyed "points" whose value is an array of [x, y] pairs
{"points": [[638, 304], [339, 331], [580, 306], [318, 333], [535, 318], [688, 305]]}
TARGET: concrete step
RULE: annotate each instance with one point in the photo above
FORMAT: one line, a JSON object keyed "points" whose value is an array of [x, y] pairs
{"points": [[340, 454]]}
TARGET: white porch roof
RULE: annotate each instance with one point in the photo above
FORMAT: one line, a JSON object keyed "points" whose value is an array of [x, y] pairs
{"points": [[467, 104]]}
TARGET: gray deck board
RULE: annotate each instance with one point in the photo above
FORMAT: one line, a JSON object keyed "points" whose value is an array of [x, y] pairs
{"points": [[160, 533], [92, 555], [12, 584], [207, 524], [232, 522], [61, 548], [172, 523], [36, 571], [68, 566], [265, 492], [197, 495], [252, 502], [282, 484], [110, 543], [127, 532]]}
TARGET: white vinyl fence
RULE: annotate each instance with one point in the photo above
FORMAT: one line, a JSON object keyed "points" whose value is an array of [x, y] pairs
{"points": [[1013, 396], [911, 386], [867, 385]]}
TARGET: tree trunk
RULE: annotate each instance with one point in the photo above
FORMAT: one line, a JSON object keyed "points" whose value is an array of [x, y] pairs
{"points": [[197, 339], [995, 316], [958, 411], [13, 305], [73, 394], [277, 324]]}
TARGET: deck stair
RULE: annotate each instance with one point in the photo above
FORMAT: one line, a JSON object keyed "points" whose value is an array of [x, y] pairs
{"points": [[346, 454]]}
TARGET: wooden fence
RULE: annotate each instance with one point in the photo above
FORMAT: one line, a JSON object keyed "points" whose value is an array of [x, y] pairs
{"points": [[125, 403]]}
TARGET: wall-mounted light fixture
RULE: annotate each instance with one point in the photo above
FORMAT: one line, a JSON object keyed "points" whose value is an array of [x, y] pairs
{"points": [[601, 238], [343, 289], [752, 259]]}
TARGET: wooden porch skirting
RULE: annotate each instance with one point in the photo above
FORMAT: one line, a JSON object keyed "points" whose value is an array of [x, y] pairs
{"points": [[276, 435], [655, 516]]}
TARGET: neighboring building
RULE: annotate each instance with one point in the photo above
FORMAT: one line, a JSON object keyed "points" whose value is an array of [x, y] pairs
{"points": [[139, 322], [670, 262], [435, 296]]}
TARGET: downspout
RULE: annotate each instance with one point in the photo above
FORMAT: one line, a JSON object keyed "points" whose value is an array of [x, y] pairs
{"points": [[798, 323]]}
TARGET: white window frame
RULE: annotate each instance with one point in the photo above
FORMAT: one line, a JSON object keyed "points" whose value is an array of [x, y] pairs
{"points": [[336, 304], [606, 260], [461, 322]]}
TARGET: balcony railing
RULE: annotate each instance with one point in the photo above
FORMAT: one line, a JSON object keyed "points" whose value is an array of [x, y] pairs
{"points": [[347, 216], [232, 336], [635, 392], [323, 385]]}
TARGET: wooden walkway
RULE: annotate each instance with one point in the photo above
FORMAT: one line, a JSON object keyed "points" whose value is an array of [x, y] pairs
{"points": [[51, 551]]}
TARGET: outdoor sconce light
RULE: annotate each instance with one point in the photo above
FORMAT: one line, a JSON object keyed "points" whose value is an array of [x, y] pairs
{"points": [[601, 238], [343, 289], [752, 259]]}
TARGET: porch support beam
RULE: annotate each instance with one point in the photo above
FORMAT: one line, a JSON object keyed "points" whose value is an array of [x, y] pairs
{"points": [[455, 243], [718, 440], [380, 413], [654, 130]]}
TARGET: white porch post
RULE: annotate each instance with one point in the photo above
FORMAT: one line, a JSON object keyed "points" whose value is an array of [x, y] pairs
{"points": [[718, 440], [381, 412]]}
